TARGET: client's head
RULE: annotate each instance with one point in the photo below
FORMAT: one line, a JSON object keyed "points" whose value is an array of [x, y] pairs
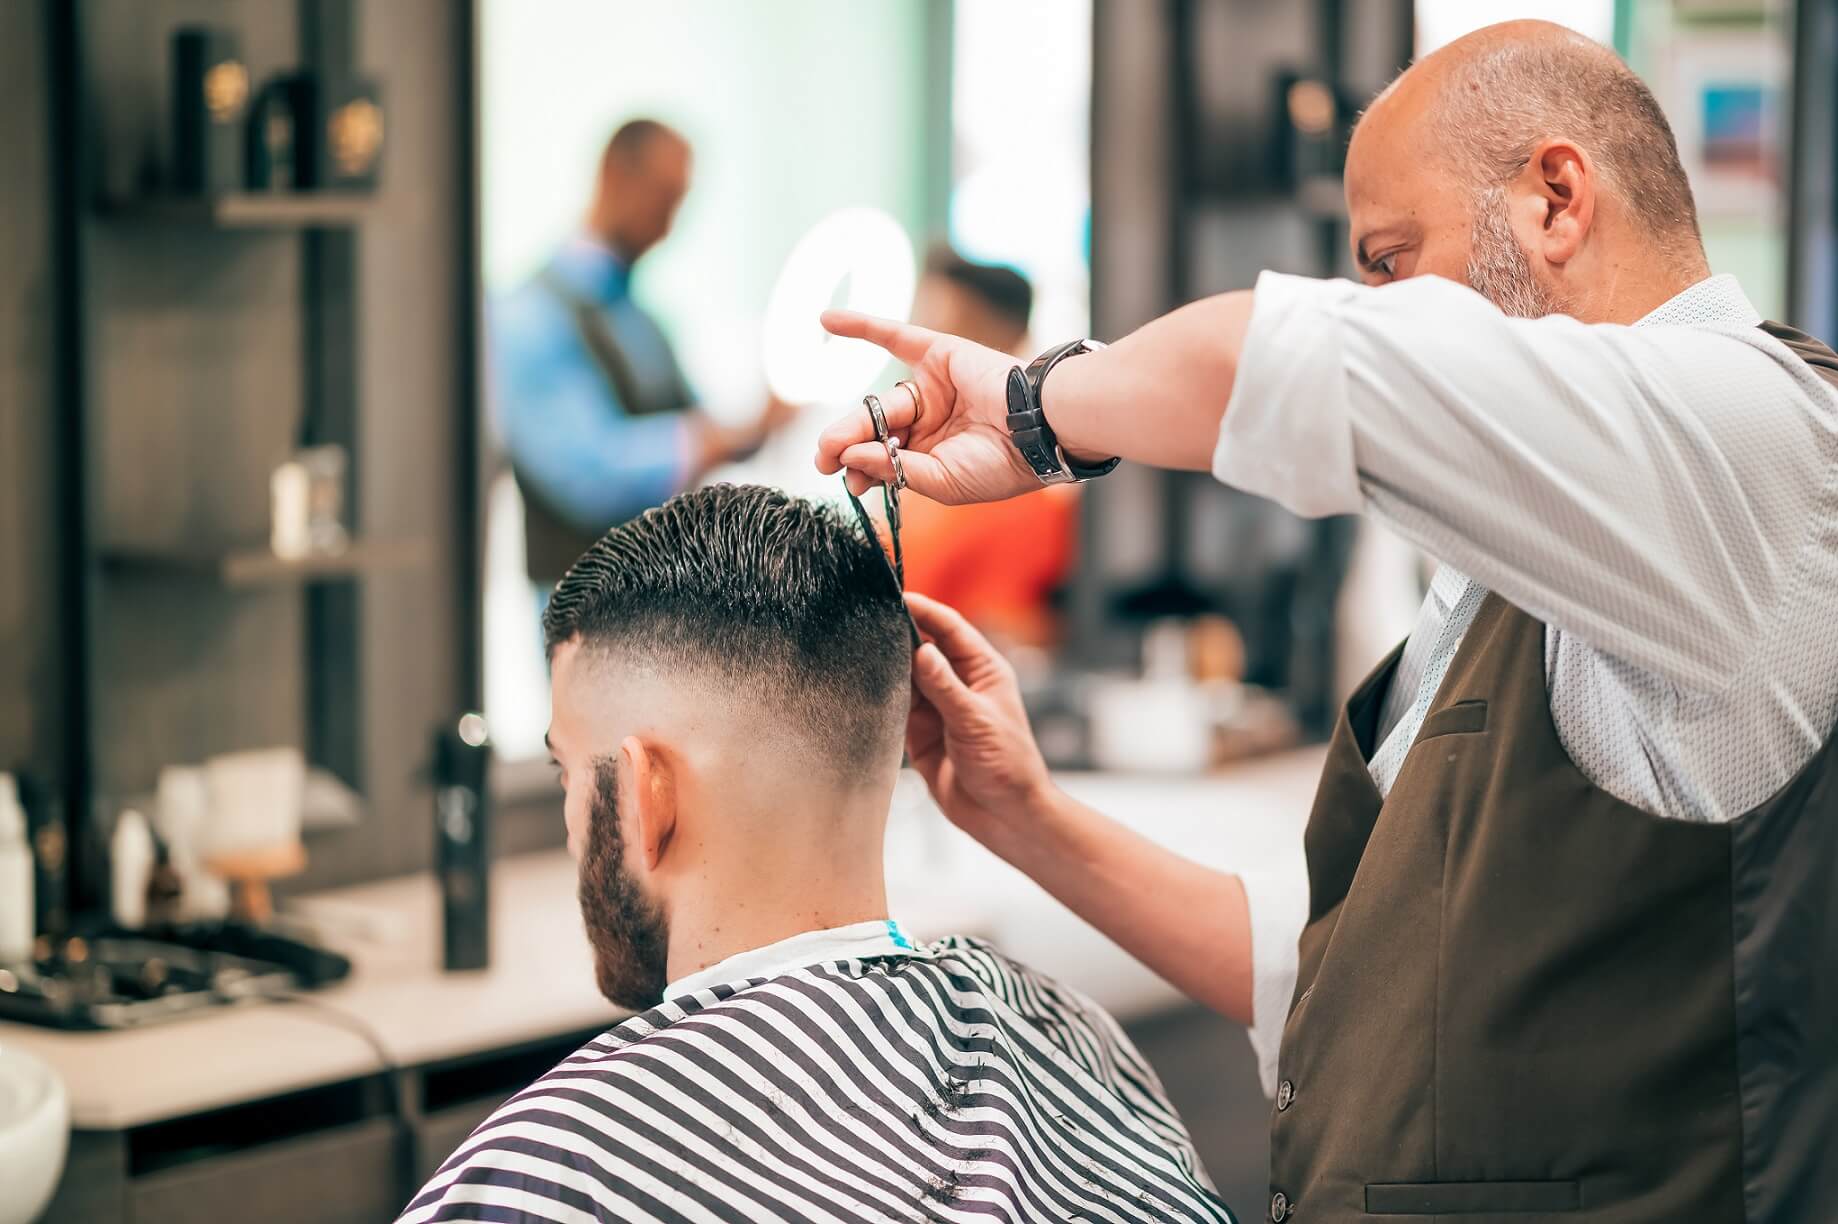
{"points": [[730, 680]]}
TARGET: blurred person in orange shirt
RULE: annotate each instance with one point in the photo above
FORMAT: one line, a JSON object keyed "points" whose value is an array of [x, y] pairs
{"points": [[999, 563]]}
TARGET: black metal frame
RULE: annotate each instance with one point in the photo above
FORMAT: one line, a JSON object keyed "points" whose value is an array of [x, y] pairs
{"points": [[471, 460], [78, 579], [329, 322], [1812, 196]]}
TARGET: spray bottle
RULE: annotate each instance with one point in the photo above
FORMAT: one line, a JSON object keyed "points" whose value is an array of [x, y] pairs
{"points": [[15, 877]]}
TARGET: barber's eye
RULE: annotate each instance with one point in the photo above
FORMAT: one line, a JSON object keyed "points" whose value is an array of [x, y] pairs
{"points": [[1387, 265]]}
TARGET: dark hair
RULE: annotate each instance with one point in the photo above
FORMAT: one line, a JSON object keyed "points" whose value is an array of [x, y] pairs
{"points": [[786, 600], [1001, 288], [629, 141]]}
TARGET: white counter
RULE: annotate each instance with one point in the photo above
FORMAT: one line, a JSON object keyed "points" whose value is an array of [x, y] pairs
{"points": [[541, 981]]}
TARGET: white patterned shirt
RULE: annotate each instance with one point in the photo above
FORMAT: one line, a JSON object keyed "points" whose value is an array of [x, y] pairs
{"points": [[1664, 497]]}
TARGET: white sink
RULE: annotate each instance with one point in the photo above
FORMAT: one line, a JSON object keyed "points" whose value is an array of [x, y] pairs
{"points": [[34, 1135]]}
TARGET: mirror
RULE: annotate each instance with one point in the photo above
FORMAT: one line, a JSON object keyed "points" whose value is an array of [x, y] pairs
{"points": [[828, 147]]}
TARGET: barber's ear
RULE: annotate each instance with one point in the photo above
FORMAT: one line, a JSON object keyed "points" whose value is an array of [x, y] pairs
{"points": [[653, 799], [1563, 181]]}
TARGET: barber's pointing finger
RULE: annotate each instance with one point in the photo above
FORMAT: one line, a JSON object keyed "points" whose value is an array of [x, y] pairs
{"points": [[903, 340]]}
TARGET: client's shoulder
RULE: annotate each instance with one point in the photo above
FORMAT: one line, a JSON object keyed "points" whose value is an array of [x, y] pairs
{"points": [[1020, 986]]}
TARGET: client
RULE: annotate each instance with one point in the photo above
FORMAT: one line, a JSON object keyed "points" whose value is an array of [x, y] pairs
{"points": [[730, 692]]}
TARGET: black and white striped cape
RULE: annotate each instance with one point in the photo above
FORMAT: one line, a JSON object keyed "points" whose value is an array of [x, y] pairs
{"points": [[947, 1084]]}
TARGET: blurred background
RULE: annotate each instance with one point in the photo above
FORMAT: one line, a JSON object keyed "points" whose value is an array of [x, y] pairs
{"points": [[314, 319]]}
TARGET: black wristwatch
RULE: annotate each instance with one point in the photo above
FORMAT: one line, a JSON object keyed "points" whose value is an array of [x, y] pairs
{"points": [[1027, 420]]}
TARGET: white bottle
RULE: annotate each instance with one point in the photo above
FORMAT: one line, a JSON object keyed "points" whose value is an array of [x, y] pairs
{"points": [[131, 858], [15, 877]]}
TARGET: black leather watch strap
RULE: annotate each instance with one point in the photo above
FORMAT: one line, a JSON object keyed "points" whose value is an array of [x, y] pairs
{"points": [[1027, 419]]}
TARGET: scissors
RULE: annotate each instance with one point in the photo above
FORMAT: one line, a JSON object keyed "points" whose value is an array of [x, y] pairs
{"points": [[890, 501]]}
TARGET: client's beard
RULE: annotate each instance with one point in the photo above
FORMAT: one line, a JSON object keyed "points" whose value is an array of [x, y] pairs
{"points": [[627, 930], [1498, 267]]}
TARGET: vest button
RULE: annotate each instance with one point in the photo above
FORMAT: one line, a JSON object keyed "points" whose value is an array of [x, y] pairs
{"points": [[1285, 1095], [1279, 1207]]}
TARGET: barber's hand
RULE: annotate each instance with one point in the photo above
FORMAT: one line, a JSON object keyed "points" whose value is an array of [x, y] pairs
{"points": [[955, 448], [968, 735]]}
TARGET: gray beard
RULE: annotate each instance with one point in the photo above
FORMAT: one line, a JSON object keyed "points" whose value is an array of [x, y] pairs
{"points": [[1498, 267]]}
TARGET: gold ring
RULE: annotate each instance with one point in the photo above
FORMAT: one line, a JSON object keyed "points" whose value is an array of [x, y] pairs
{"points": [[918, 399]]}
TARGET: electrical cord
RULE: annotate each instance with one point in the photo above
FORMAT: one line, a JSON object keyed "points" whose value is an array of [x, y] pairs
{"points": [[341, 1019]]}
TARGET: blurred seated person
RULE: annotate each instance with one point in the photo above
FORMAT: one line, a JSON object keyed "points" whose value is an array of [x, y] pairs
{"points": [[731, 688], [595, 413], [998, 563]]}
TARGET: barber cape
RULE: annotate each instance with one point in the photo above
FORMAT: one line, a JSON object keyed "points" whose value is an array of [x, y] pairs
{"points": [[942, 1082]]}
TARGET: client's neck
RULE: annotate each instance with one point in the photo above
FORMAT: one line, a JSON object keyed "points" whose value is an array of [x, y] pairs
{"points": [[811, 869]]}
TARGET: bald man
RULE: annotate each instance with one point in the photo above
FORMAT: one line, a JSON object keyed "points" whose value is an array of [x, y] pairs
{"points": [[1567, 942]]}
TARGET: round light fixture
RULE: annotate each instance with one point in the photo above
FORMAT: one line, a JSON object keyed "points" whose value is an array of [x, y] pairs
{"points": [[853, 259]]}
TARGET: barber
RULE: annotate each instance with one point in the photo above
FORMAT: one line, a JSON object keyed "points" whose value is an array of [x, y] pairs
{"points": [[1568, 942], [599, 422]]}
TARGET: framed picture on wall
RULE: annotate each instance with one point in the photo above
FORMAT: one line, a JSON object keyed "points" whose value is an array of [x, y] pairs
{"points": [[1726, 92]]}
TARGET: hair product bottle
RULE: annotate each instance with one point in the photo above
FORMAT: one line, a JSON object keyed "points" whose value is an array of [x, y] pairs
{"points": [[462, 842], [15, 877]]}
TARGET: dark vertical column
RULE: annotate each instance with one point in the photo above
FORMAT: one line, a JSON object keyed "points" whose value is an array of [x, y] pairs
{"points": [[1177, 501], [469, 408], [1133, 185], [1185, 126], [1084, 591], [1313, 599], [71, 176], [1330, 35], [1812, 200], [334, 693]]}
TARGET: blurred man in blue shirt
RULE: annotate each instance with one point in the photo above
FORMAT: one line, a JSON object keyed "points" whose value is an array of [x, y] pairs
{"points": [[595, 412]]}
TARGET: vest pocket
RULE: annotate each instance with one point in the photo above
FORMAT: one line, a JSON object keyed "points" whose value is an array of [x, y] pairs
{"points": [[1460, 1198], [1462, 718]]}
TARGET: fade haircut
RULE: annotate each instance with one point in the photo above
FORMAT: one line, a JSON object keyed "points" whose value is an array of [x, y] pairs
{"points": [[784, 604], [1498, 103]]}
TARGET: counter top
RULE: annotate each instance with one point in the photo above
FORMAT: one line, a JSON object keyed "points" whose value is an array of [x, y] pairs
{"points": [[541, 983]]}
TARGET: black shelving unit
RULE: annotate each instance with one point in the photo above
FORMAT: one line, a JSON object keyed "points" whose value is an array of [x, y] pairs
{"points": [[94, 570], [1213, 148]]}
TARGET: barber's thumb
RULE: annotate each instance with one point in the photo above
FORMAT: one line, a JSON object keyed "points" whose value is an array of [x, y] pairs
{"points": [[933, 675]]}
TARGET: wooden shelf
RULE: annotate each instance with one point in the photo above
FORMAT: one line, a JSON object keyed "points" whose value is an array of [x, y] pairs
{"points": [[248, 210], [252, 567]]}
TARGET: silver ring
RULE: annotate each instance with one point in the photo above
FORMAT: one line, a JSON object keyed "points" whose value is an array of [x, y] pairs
{"points": [[878, 414]]}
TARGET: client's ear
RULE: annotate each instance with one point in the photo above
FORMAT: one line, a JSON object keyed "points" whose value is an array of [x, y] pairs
{"points": [[653, 798]]}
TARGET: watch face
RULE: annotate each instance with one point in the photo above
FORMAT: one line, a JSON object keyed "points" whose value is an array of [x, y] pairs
{"points": [[1017, 391]]}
